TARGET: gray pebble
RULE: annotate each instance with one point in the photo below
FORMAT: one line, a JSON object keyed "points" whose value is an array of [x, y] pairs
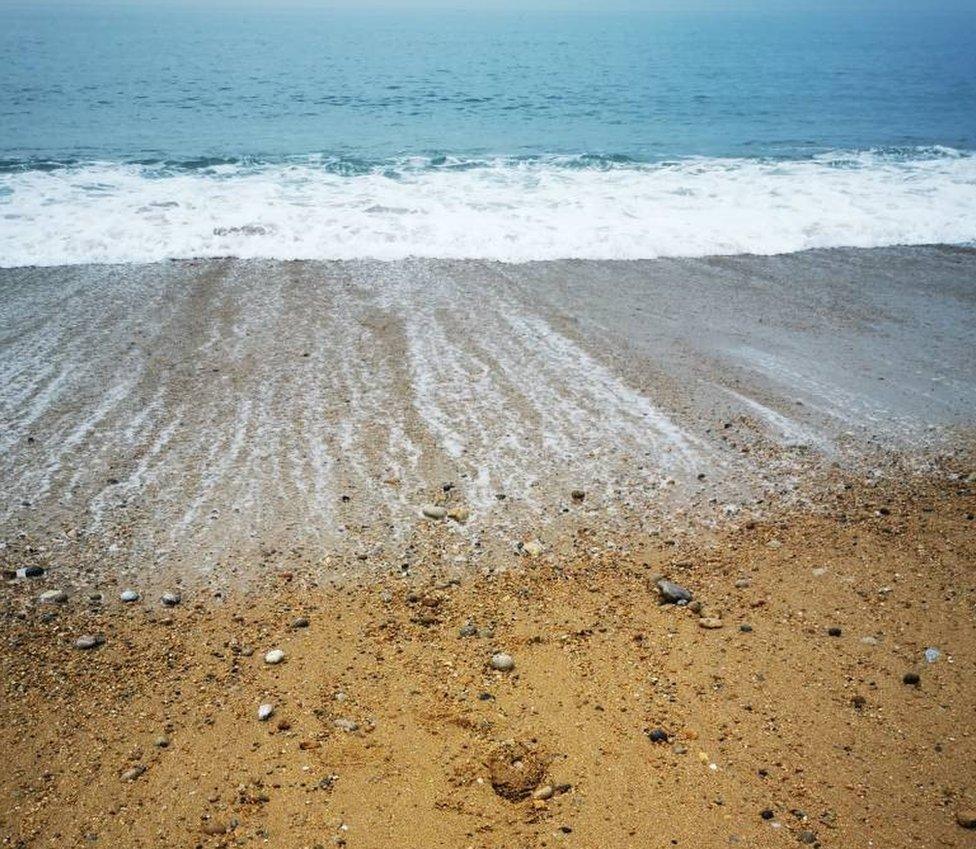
{"points": [[502, 662], [88, 641], [129, 596], [53, 597], [300, 622], [133, 773], [673, 593], [434, 511], [172, 599]]}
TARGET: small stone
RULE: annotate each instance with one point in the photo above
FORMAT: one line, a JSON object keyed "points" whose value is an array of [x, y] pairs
{"points": [[212, 827], [834, 632], [807, 837], [133, 773], [679, 749], [743, 584], [172, 599], [300, 622], [710, 622], [911, 678], [29, 572], [346, 725], [858, 702], [433, 511], [88, 641], [966, 818], [274, 656], [932, 655], [502, 662], [53, 597], [657, 735], [672, 593], [265, 712], [766, 814], [578, 495], [544, 792], [161, 742], [533, 548], [746, 628], [129, 596], [869, 641], [468, 629]]}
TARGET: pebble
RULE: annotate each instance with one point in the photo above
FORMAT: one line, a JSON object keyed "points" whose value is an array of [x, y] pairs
{"points": [[29, 572], [300, 622], [746, 628], [966, 818], [88, 641], [274, 656], [544, 792], [911, 678], [834, 632], [578, 494], [502, 662], [133, 773], [767, 814], [171, 599], [161, 742], [346, 725], [468, 629], [710, 622], [533, 548], [129, 596], [434, 511], [265, 712], [212, 827], [743, 584], [53, 597], [657, 735], [672, 593], [932, 655], [869, 641]]}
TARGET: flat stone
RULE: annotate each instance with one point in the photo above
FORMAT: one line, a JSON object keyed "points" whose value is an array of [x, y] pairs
{"points": [[133, 773], [129, 596], [274, 656], [502, 662], [673, 593], [212, 827], [434, 511], [53, 597], [265, 712], [88, 641], [710, 622]]}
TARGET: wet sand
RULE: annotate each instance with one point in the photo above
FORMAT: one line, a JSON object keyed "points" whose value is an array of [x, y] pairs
{"points": [[788, 438], [195, 419]]}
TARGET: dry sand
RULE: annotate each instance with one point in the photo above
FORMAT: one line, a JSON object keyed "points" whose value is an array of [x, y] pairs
{"points": [[789, 438]]}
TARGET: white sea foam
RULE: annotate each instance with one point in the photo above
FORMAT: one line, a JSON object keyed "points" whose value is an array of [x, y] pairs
{"points": [[501, 209]]}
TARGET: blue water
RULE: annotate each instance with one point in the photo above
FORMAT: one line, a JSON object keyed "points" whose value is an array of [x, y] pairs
{"points": [[146, 133], [188, 85]]}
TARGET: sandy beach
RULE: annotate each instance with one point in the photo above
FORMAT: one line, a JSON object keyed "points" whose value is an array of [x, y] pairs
{"points": [[393, 472]]}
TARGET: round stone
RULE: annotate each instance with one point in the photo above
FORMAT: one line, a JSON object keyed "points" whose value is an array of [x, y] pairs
{"points": [[172, 599], [129, 596], [265, 712], [274, 656], [502, 662], [53, 597]]}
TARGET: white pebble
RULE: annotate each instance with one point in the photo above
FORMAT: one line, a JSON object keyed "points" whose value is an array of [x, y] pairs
{"points": [[274, 656]]}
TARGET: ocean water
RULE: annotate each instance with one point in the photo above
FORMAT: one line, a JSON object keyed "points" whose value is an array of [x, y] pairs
{"points": [[148, 133]]}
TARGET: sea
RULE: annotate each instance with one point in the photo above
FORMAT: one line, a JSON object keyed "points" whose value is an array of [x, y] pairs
{"points": [[150, 131]]}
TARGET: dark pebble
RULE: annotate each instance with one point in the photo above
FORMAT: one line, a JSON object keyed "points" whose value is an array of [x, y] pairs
{"points": [[746, 629], [767, 814], [834, 632], [658, 735], [911, 678]]}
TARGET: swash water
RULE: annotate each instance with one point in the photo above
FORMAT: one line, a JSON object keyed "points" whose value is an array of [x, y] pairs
{"points": [[149, 133]]}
